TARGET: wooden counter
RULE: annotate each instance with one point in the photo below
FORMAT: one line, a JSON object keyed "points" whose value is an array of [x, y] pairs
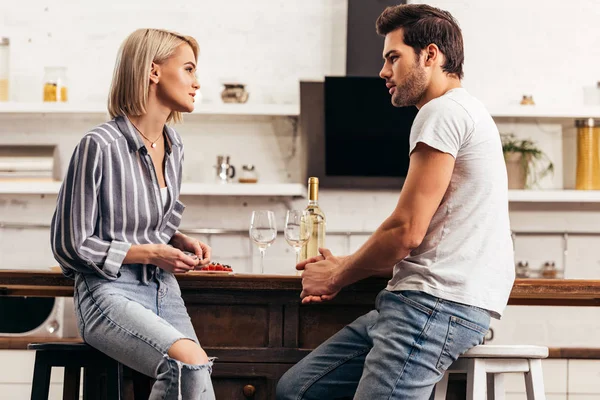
{"points": [[556, 292], [257, 327]]}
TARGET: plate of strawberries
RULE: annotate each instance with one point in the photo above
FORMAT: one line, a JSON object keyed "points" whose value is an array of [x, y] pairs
{"points": [[215, 268]]}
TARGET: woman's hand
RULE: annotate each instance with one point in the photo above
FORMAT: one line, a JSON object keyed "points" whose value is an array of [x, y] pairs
{"points": [[186, 243], [172, 259]]}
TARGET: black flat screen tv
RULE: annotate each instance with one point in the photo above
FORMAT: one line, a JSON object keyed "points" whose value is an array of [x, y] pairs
{"points": [[366, 138]]}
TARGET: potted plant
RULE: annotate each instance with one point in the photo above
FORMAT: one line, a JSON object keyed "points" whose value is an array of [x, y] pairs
{"points": [[526, 164]]}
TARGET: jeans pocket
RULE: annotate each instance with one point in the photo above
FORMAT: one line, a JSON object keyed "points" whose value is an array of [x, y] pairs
{"points": [[412, 303], [461, 336]]}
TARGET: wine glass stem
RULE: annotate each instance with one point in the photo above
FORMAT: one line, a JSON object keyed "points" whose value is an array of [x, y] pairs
{"points": [[297, 249], [262, 260]]}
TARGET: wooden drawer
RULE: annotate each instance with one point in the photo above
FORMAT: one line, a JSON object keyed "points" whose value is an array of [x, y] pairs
{"points": [[241, 388], [242, 381]]}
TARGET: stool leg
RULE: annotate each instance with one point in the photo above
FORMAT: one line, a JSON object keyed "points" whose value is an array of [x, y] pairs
{"points": [[476, 379], [41, 377], [441, 388], [534, 381], [91, 384], [142, 385], [495, 386], [71, 383], [114, 381]]}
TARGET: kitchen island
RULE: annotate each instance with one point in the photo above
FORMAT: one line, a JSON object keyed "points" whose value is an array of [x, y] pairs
{"points": [[257, 327]]}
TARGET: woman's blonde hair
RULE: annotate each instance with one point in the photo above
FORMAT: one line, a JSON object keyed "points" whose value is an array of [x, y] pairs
{"points": [[130, 83]]}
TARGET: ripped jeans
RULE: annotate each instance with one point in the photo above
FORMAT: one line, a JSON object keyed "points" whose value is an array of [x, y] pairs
{"points": [[136, 324]]}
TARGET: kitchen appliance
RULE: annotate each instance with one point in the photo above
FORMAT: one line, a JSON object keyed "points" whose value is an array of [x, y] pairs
{"points": [[354, 137], [48, 317]]}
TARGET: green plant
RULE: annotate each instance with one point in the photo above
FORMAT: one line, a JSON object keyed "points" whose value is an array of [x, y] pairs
{"points": [[534, 161]]}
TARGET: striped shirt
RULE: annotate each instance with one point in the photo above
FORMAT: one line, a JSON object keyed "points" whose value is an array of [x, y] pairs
{"points": [[110, 199]]}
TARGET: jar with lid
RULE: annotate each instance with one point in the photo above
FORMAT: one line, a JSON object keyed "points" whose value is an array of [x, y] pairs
{"points": [[522, 270], [55, 84], [249, 174], [588, 154], [4, 68], [549, 270]]}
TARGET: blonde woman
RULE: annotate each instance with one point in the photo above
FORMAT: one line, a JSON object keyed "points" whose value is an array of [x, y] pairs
{"points": [[114, 230]]}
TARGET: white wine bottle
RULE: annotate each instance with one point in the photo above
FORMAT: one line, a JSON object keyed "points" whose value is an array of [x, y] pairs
{"points": [[317, 220]]}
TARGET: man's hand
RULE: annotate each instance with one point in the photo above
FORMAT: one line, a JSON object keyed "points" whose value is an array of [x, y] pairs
{"points": [[186, 243], [318, 283]]}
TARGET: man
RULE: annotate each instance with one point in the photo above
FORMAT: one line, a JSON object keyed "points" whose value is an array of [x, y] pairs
{"points": [[447, 241]]}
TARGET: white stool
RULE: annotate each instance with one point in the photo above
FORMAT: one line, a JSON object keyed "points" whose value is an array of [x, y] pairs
{"points": [[482, 360]]}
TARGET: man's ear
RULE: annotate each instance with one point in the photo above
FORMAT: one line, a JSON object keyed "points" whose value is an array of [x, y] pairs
{"points": [[432, 52], [154, 73]]}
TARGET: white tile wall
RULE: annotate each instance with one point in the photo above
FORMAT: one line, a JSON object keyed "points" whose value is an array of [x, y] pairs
{"points": [[584, 377]]}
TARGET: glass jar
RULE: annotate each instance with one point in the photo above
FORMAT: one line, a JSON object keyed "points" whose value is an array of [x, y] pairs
{"points": [[248, 174], [55, 84], [588, 154], [549, 270], [4, 67], [522, 270]]}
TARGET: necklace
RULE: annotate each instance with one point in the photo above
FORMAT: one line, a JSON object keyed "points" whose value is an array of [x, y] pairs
{"points": [[152, 142]]}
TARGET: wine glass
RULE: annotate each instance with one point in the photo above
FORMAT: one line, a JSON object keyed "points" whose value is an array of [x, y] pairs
{"points": [[263, 232], [297, 230]]}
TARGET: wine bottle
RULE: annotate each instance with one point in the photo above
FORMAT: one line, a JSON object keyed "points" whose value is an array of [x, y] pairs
{"points": [[316, 219]]}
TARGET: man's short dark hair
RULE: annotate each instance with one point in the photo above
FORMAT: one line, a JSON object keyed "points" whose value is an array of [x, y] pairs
{"points": [[424, 25]]}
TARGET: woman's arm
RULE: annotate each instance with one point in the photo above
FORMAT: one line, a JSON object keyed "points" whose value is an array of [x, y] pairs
{"points": [[73, 241]]}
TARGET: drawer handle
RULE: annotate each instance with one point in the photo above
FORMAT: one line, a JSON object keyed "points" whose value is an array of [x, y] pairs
{"points": [[249, 391]]}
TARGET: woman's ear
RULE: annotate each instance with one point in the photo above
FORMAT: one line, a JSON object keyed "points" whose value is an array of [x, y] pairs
{"points": [[154, 73]]}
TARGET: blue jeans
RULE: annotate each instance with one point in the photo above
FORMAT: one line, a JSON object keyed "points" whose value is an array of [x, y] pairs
{"points": [[398, 351], [136, 324]]}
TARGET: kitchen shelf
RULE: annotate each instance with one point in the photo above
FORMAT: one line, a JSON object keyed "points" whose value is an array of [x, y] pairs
{"points": [[187, 188], [243, 189], [535, 111], [201, 109], [554, 196]]}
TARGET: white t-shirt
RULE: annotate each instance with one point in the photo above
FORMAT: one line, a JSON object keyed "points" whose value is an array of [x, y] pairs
{"points": [[164, 195], [467, 253]]}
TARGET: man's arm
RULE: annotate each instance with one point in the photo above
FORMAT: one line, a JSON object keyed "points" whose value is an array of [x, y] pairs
{"points": [[426, 183]]}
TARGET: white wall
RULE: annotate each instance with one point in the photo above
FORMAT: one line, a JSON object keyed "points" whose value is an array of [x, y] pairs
{"points": [[545, 48], [266, 44]]}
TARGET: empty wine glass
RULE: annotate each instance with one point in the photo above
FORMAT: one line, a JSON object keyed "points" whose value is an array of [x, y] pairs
{"points": [[263, 232], [297, 230]]}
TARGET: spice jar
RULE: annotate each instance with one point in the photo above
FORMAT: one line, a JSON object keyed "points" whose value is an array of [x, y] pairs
{"points": [[522, 270], [55, 84], [588, 154], [4, 67], [248, 174], [549, 270]]}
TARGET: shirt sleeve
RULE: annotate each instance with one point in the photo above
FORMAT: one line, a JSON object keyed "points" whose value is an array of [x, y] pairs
{"points": [[444, 125], [74, 242]]}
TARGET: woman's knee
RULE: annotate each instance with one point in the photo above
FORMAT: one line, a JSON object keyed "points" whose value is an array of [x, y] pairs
{"points": [[188, 352]]}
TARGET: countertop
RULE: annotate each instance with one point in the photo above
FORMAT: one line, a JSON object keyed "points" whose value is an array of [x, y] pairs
{"points": [[548, 292]]}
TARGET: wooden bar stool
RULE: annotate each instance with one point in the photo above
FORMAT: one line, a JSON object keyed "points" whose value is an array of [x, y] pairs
{"points": [[485, 364], [103, 377]]}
